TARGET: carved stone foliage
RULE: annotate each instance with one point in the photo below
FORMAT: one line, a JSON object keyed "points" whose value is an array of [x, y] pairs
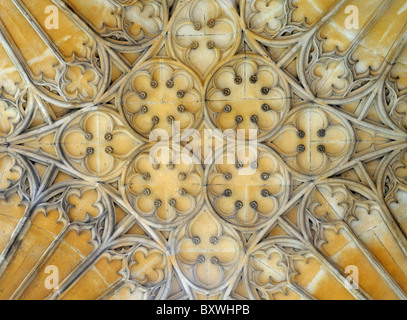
{"points": [[116, 165]]}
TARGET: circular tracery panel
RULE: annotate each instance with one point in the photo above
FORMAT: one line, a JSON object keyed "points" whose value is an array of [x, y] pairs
{"points": [[97, 143], [207, 253], [161, 95], [163, 192], [204, 32], [314, 141], [247, 93], [245, 240], [248, 193]]}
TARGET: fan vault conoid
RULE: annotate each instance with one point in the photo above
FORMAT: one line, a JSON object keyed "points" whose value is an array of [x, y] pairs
{"points": [[79, 192]]}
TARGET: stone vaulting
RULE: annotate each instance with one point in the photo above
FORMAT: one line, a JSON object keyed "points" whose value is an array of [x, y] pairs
{"points": [[85, 88]]}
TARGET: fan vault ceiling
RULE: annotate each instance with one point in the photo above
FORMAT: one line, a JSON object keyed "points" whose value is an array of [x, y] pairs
{"points": [[82, 93]]}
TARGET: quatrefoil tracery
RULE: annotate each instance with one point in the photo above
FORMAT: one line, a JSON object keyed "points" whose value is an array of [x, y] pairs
{"points": [[201, 65]]}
